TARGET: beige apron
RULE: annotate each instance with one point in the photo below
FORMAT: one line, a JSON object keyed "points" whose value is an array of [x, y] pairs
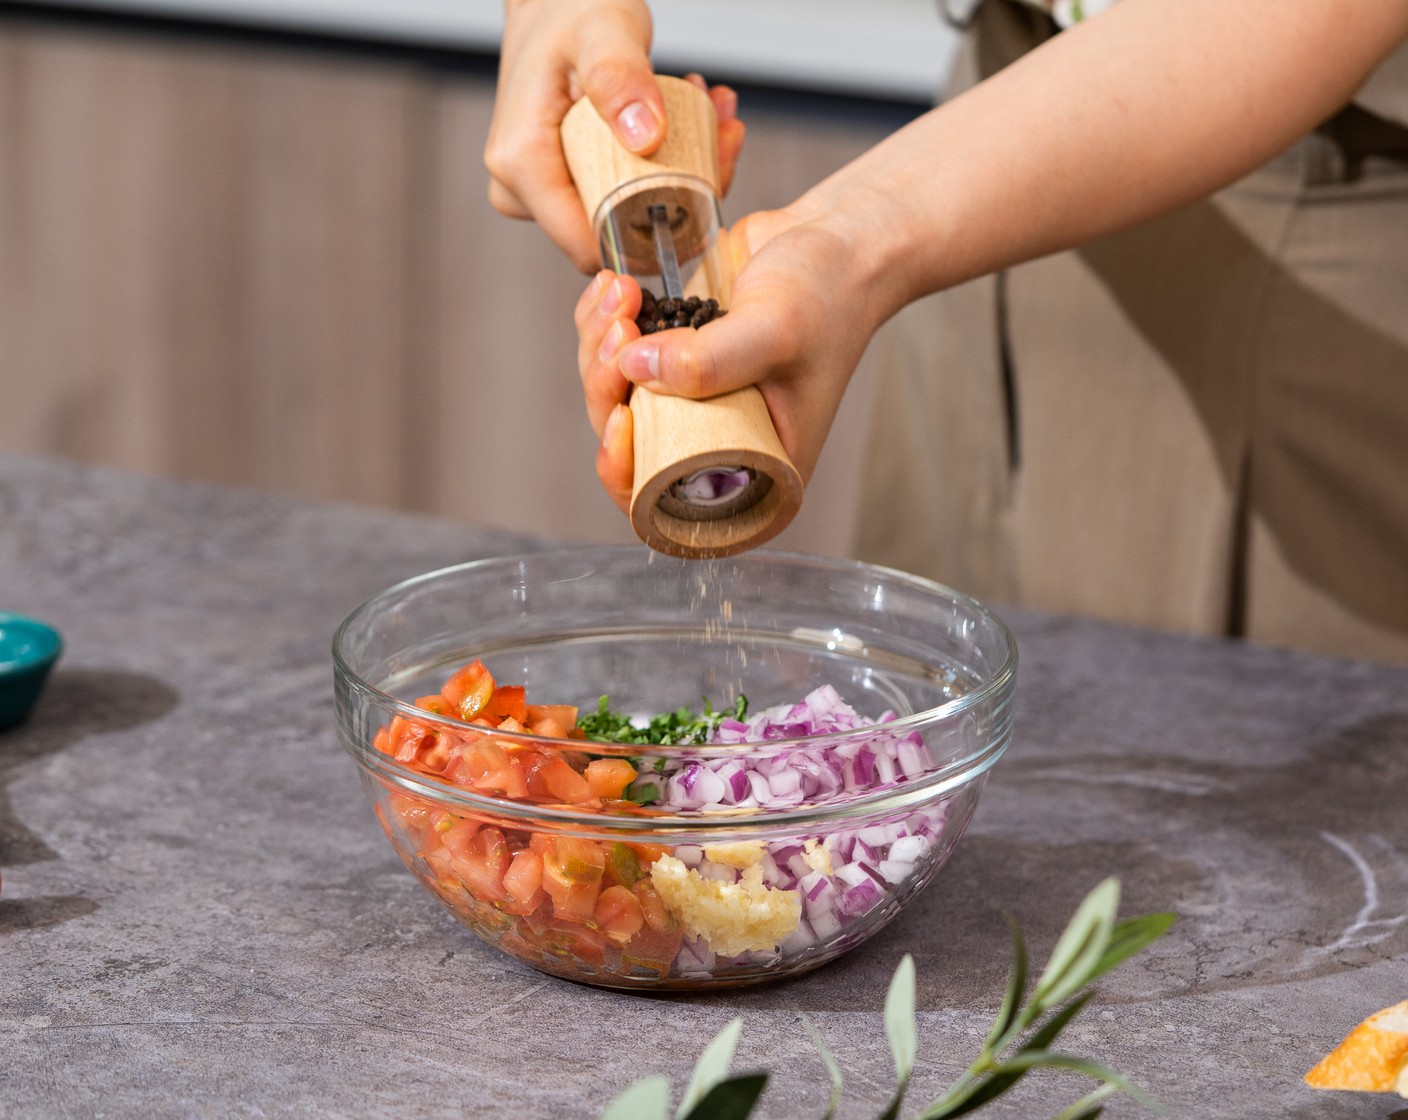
{"points": [[1199, 425]]}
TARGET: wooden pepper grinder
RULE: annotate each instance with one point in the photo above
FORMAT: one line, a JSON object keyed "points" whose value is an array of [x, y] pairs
{"points": [[711, 476]]}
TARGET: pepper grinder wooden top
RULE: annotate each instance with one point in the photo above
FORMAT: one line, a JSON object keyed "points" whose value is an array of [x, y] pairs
{"points": [[675, 438], [600, 163]]}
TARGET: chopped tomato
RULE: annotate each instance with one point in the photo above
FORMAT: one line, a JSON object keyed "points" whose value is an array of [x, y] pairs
{"points": [[435, 753], [435, 704], [482, 866], [653, 907], [576, 902], [572, 871], [609, 777], [561, 783], [622, 865], [456, 836], [575, 906], [572, 860], [484, 765], [618, 914], [549, 728], [469, 690], [506, 703], [654, 948], [652, 951], [565, 715], [406, 738], [507, 780], [577, 942], [649, 853], [524, 877]]}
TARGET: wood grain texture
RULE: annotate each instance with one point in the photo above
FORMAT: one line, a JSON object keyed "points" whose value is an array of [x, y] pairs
{"points": [[600, 163], [507, 443], [279, 269], [203, 258], [675, 438]]}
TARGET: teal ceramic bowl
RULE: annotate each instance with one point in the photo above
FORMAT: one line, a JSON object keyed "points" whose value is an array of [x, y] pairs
{"points": [[28, 650]]}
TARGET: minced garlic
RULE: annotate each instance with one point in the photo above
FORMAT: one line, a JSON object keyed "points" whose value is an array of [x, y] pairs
{"points": [[731, 918], [816, 857], [742, 855]]}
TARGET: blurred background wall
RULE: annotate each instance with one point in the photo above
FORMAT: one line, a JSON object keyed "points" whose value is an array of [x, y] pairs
{"points": [[249, 242]]}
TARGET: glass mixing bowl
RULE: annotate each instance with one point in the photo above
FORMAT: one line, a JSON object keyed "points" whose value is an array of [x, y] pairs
{"points": [[632, 866]]}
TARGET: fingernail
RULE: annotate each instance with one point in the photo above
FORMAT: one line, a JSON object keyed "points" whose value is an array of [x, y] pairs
{"points": [[613, 426], [641, 364], [611, 344], [728, 111], [611, 300], [637, 124]]}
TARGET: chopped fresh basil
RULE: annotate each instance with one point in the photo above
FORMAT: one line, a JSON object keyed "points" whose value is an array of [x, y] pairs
{"points": [[643, 793], [682, 727]]}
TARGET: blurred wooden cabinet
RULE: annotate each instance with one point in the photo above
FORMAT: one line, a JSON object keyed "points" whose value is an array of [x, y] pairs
{"points": [[272, 266]]}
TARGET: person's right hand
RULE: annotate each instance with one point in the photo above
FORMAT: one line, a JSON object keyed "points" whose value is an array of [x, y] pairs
{"points": [[555, 52], [796, 328]]}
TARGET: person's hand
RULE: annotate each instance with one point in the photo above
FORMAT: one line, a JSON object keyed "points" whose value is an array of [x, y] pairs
{"points": [[555, 52], [796, 328]]}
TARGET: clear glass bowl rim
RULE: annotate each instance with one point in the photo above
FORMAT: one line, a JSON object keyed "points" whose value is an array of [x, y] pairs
{"points": [[905, 795]]}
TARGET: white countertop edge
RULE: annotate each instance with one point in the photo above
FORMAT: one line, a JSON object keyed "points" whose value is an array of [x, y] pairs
{"points": [[897, 49]]}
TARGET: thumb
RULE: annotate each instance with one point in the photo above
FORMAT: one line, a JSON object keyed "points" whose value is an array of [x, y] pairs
{"points": [[741, 348], [613, 67]]}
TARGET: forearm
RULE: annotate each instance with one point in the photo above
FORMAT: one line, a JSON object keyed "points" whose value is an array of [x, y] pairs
{"points": [[1153, 104]]}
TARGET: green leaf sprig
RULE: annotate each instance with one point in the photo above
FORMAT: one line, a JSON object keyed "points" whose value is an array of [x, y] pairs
{"points": [[1020, 1040], [711, 1095], [1022, 1035]]}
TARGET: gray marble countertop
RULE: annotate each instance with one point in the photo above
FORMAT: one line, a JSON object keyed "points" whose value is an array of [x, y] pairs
{"points": [[199, 916]]}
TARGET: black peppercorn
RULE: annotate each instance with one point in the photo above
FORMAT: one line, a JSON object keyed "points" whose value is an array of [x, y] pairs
{"points": [[664, 314]]}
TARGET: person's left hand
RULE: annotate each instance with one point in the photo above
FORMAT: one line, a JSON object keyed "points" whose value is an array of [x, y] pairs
{"points": [[553, 52]]}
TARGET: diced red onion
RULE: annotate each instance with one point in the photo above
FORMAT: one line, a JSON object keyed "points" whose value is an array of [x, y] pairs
{"points": [[825, 924], [773, 875], [875, 875], [860, 898], [812, 885], [869, 864], [911, 758], [822, 899], [895, 871], [908, 848], [799, 940], [852, 874], [785, 851], [720, 871], [875, 835], [694, 956], [691, 855], [738, 786]]}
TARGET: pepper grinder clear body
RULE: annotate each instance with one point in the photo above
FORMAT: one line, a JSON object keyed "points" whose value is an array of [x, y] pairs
{"points": [[712, 477]]}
